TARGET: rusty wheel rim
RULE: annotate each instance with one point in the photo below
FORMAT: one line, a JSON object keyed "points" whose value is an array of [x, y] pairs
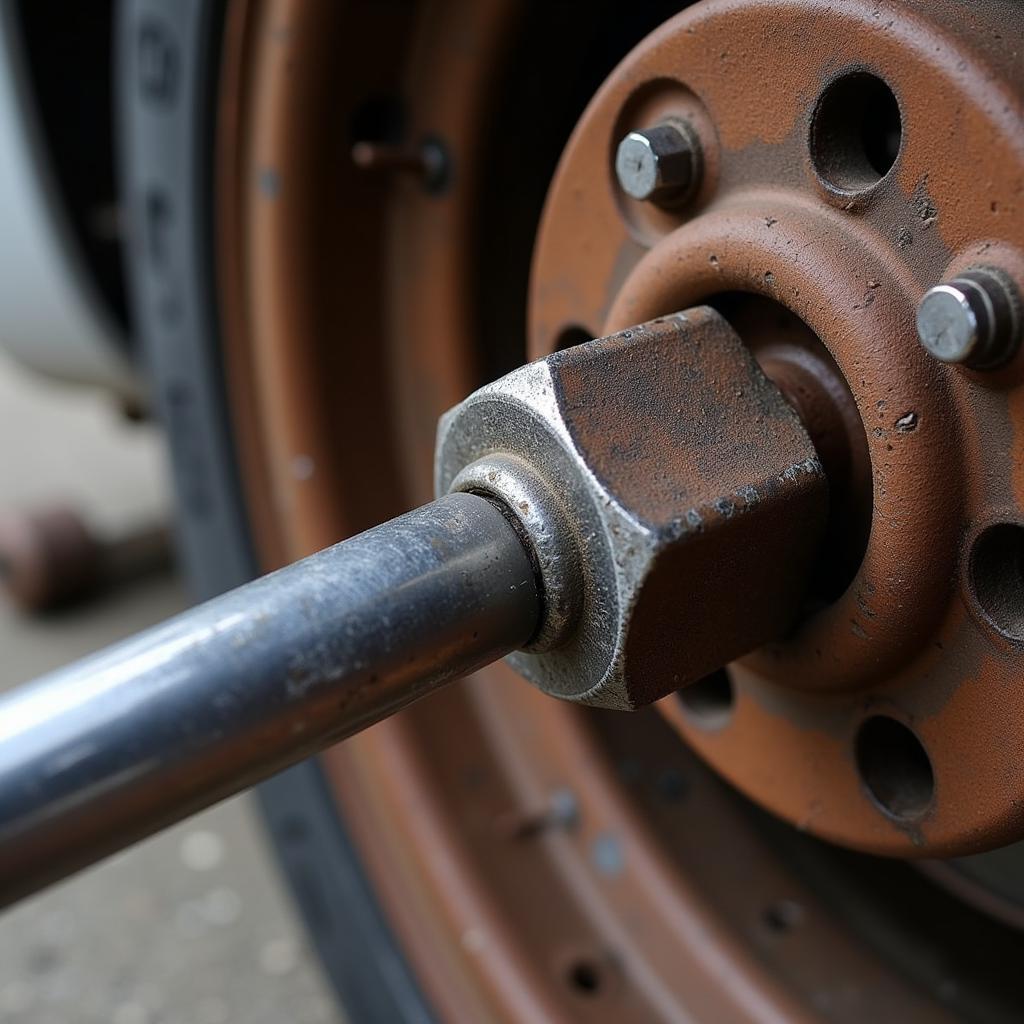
{"points": [[854, 727], [537, 862]]}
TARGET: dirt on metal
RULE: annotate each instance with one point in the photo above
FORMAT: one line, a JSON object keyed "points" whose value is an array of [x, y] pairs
{"points": [[657, 898], [778, 218], [689, 436]]}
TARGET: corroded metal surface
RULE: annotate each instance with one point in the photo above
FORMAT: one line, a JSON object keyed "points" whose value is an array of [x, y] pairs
{"points": [[688, 485], [660, 889], [848, 250], [47, 557]]}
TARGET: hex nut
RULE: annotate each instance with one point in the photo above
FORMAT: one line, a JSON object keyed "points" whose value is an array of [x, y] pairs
{"points": [[691, 502], [973, 320], [659, 164]]}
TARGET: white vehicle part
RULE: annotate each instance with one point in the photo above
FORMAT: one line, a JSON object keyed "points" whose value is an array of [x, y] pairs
{"points": [[52, 316]]}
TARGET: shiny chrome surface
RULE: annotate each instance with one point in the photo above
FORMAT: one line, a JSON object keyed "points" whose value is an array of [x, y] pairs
{"points": [[100, 754]]}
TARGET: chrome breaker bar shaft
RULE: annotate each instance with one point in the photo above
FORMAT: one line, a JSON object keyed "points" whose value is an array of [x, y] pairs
{"points": [[144, 733], [628, 546]]}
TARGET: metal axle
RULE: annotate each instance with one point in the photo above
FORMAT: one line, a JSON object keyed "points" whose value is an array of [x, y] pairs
{"points": [[136, 737]]}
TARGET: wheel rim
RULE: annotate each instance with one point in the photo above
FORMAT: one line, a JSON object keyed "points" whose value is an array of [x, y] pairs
{"points": [[537, 861]]}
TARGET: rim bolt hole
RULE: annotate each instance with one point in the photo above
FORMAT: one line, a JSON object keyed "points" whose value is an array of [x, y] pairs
{"points": [[856, 132], [573, 334], [996, 574], [783, 916], [584, 977], [895, 768], [709, 702]]}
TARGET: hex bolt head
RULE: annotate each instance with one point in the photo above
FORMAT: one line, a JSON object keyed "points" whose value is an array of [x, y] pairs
{"points": [[973, 320], [659, 164], [667, 541]]}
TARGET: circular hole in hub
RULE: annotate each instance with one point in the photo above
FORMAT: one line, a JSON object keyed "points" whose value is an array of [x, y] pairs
{"points": [[856, 132], [783, 916], [895, 767], [997, 577], [584, 977], [572, 334], [709, 701]]}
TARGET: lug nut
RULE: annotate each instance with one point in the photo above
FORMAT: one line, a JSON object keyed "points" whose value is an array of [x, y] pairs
{"points": [[660, 163], [973, 319]]}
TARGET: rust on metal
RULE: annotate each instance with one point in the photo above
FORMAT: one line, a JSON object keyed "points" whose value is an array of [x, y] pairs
{"points": [[674, 501], [48, 557], [321, 348], [845, 241], [689, 436]]}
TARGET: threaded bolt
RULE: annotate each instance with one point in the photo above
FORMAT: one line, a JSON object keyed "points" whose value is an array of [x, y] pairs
{"points": [[659, 164], [973, 320]]}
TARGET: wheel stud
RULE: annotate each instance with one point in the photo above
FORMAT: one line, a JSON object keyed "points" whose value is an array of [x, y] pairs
{"points": [[659, 164], [427, 161], [973, 320]]}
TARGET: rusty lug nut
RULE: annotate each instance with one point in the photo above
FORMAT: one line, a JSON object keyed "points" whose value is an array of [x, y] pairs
{"points": [[973, 320], [673, 500], [660, 163]]}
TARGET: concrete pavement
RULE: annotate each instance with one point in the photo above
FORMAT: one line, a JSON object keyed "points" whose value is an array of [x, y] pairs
{"points": [[192, 926]]}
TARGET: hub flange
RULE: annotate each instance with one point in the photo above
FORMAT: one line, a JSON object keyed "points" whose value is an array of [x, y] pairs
{"points": [[831, 191]]}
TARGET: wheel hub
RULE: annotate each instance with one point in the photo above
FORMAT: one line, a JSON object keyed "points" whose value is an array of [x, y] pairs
{"points": [[829, 194], [536, 859]]}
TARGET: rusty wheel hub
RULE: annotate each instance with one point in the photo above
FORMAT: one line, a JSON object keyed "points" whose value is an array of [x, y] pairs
{"points": [[831, 198], [540, 861]]}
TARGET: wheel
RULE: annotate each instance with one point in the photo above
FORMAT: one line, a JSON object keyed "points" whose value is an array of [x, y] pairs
{"points": [[348, 215]]}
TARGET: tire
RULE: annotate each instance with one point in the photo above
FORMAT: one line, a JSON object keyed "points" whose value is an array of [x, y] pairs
{"points": [[167, 53]]}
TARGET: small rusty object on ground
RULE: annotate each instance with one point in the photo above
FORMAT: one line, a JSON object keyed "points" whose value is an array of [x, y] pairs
{"points": [[686, 485], [50, 557]]}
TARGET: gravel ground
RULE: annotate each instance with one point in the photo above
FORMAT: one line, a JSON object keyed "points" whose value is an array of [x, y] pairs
{"points": [[192, 926]]}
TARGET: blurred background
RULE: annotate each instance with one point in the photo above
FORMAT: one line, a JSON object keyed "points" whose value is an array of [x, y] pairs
{"points": [[193, 926]]}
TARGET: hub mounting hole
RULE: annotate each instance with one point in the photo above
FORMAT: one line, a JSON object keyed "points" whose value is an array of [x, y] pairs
{"points": [[997, 578], [783, 916], [856, 131], [573, 334], [709, 701], [584, 977], [895, 767]]}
